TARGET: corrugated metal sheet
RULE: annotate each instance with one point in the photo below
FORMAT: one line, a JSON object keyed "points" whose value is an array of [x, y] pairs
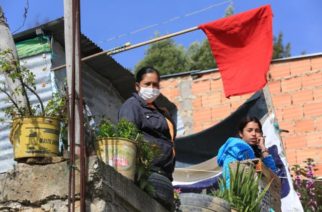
{"points": [[40, 65], [121, 78]]}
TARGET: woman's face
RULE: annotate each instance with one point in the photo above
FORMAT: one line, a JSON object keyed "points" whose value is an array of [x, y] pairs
{"points": [[149, 80], [251, 133]]}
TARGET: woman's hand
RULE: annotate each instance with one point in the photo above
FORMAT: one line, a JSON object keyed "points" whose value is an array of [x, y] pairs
{"points": [[261, 143]]}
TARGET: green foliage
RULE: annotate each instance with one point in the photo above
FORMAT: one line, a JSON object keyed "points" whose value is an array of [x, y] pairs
{"points": [[106, 129], [146, 152], [281, 50], [124, 129], [200, 56], [26, 79], [56, 107], [165, 56], [243, 193], [169, 58], [229, 10]]}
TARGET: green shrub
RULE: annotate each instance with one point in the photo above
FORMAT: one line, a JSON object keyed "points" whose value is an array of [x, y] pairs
{"points": [[123, 129], [146, 151]]}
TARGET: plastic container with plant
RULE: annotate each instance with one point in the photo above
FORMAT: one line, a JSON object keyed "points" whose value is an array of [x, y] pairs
{"points": [[122, 146], [35, 127]]}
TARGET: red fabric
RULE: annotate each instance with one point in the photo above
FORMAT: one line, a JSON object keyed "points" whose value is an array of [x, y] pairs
{"points": [[242, 45]]}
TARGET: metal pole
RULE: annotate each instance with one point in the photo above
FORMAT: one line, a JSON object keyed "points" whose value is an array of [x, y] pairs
{"points": [[128, 47], [72, 117], [79, 116]]}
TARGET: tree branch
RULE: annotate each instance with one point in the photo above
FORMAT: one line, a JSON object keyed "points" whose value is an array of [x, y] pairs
{"points": [[38, 97], [13, 102], [24, 92]]}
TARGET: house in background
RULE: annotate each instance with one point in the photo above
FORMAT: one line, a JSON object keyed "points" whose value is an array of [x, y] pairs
{"points": [[106, 83], [295, 90]]}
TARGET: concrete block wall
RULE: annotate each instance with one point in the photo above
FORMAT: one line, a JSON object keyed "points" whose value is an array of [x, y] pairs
{"points": [[295, 85], [37, 188]]}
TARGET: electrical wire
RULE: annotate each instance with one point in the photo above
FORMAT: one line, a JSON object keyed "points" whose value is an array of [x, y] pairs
{"points": [[25, 14], [170, 20]]}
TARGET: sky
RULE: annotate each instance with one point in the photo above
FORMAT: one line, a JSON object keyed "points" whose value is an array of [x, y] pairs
{"points": [[112, 23]]}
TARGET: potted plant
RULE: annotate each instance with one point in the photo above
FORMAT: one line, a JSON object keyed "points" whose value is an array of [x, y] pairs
{"points": [[122, 146], [116, 146], [243, 193], [35, 128]]}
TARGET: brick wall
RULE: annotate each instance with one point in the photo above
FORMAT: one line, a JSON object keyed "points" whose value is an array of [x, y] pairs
{"points": [[295, 85]]}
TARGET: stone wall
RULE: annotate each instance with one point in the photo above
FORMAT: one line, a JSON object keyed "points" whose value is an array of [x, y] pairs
{"points": [[37, 188], [295, 85]]}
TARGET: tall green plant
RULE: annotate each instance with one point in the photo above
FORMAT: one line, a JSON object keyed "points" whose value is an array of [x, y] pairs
{"points": [[26, 79], [56, 107], [243, 193]]}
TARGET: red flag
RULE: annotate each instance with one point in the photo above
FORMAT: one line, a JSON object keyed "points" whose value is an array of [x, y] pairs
{"points": [[242, 45]]}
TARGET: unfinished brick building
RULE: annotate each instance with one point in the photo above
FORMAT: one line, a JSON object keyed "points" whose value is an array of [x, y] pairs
{"points": [[295, 86]]}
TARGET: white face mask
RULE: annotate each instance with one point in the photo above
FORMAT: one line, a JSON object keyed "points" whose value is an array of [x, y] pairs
{"points": [[149, 94]]}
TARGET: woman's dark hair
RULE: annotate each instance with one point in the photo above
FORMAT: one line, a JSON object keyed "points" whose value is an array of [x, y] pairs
{"points": [[145, 70], [242, 125], [246, 120]]}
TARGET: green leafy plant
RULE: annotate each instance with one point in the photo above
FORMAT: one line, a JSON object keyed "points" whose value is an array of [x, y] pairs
{"points": [[177, 202], [123, 129], [146, 152], [106, 129], [22, 107], [243, 193], [56, 107]]}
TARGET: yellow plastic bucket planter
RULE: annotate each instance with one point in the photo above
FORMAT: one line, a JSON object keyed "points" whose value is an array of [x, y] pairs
{"points": [[35, 137], [119, 153]]}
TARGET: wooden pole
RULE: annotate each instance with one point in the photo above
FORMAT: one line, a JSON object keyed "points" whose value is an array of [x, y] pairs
{"points": [[75, 99], [127, 47], [69, 26]]}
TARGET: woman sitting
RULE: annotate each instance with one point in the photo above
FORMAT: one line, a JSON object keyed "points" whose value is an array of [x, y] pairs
{"points": [[250, 145]]}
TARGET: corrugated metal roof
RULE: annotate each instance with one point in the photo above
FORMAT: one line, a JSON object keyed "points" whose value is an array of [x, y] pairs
{"points": [[40, 65], [121, 78]]}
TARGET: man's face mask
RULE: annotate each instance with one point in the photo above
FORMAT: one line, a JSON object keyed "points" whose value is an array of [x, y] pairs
{"points": [[149, 94]]}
